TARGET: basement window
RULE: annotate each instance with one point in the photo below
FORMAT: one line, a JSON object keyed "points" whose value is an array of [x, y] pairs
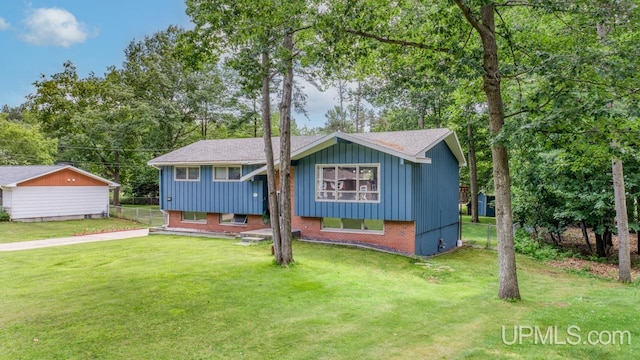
{"points": [[194, 216], [233, 219], [353, 225]]}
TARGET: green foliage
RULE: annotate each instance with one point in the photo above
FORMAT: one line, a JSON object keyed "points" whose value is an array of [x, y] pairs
{"points": [[24, 144], [537, 249], [4, 215]]}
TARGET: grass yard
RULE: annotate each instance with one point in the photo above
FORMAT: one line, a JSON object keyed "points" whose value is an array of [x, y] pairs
{"points": [[478, 233], [18, 231], [172, 297]]}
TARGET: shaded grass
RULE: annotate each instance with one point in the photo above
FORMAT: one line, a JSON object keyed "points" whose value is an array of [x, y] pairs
{"points": [[480, 233], [18, 231], [171, 297]]}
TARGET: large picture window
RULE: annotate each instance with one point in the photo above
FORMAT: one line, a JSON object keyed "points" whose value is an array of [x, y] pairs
{"points": [[226, 173], [187, 173], [349, 183]]}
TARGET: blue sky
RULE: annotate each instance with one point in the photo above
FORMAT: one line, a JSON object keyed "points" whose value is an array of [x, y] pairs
{"points": [[38, 36]]}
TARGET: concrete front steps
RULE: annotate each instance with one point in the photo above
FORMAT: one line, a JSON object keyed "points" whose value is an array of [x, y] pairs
{"points": [[256, 236]]}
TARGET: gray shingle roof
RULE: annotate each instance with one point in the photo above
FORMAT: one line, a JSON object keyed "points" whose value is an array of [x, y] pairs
{"points": [[13, 174], [411, 143], [238, 151], [10, 175]]}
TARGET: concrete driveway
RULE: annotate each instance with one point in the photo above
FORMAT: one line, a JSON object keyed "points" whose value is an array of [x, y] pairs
{"points": [[35, 244]]}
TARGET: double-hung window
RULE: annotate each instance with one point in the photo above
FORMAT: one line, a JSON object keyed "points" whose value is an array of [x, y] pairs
{"points": [[187, 173], [348, 182], [227, 173]]}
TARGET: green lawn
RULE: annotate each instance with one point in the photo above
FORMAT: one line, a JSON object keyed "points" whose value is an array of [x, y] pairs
{"points": [[478, 233], [172, 297], [17, 231]]}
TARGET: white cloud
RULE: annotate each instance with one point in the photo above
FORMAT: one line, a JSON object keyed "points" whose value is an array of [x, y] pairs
{"points": [[52, 26], [4, 25]]}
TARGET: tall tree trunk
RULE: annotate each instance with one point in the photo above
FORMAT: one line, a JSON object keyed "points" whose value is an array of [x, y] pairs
{"points": [[285, 254], [423, 111], [624, 258], [585, 235], [116, 177], [473, 172], [357, 122], [601, 248], [508, 287], [268, 151]]}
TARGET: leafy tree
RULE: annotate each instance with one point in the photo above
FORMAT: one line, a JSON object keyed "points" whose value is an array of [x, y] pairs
{"points": [[435, 33], [24, 144], [98, 125], [261, 39]]}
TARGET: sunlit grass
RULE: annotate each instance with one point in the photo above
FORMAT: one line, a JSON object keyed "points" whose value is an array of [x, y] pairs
{"points": [[18, 231], [172, 297]]}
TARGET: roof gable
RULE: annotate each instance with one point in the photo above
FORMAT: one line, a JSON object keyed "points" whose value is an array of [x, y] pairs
{"points": [[409, 145], [11, 176]]}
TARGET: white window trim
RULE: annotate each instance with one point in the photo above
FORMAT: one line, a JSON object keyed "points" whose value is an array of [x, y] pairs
{"points": [[352, 231], [193, 221], [357, 201], [213, 173], [175, 173]]}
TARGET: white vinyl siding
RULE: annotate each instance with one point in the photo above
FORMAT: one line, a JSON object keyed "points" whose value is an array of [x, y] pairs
{"points": [[6, 200], [51, 201]]}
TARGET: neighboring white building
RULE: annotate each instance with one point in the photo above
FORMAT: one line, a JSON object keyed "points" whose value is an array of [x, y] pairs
{"points": [[53, 192]]}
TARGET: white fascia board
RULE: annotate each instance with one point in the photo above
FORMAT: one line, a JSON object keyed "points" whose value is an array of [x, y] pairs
{"points": [[451, 139], [383, 149], [72, 168], [315, 146], [255, 172], [200, 163]]}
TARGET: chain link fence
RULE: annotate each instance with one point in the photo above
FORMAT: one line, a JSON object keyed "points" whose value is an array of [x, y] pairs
{"points": [[152, 217], [480, 235]]}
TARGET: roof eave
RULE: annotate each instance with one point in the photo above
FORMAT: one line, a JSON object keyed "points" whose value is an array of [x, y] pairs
{"points": [[451, 139], [111, 184], [156, 164]]}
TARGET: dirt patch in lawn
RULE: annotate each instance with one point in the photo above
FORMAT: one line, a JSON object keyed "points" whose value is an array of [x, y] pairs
{"points": [[573, 240]]}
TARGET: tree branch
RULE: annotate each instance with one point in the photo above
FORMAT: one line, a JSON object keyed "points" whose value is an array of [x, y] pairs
{"points": [[397, 42], [466, 11], [536, 108]]}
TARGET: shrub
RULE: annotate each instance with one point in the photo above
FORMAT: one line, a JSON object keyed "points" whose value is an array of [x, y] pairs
{"points": [[4, 216], [536, 248]]}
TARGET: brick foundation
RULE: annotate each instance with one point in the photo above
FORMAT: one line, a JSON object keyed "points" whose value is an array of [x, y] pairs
{"points": [[398, 235], [254, 222]]}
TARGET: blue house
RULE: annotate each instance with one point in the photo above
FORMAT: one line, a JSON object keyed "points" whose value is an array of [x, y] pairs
{"points": [[392, 190]]}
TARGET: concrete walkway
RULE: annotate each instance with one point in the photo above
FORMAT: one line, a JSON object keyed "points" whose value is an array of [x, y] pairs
{"points": [[35, 244]]}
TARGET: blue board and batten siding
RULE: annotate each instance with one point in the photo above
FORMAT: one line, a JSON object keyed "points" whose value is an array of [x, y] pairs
{"points": [[211, 196], [436, 201], [395, 185]]}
